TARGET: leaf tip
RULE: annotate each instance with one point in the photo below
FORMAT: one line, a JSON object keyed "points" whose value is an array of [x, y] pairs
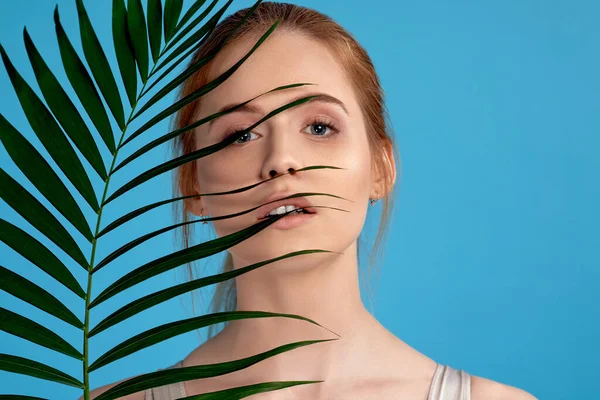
{"points": [[5, 58], [56, 16], [27, 38]]}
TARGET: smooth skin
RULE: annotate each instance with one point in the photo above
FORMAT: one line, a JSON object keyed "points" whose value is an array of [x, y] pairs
{"points": [[368, 362]]}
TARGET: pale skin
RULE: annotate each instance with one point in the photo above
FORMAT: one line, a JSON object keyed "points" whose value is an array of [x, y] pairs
{"points": [[368, 361]]}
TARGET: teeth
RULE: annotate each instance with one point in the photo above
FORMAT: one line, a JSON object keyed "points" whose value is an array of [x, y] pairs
{"points": [[283, 210]]}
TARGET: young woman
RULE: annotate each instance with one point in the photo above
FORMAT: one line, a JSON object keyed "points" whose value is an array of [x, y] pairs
{"points": [[344, 127]]}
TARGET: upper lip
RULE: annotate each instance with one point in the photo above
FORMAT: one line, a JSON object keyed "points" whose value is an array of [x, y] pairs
{"points": [[299, 202]]}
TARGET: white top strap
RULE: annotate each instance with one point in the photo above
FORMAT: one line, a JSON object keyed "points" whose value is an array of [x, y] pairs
{"points": [[450, 384], [167, 392], [447, 384]]}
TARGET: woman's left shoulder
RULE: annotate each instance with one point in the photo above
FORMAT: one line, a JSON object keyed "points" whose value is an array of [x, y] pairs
{"points": [[487, 389]]}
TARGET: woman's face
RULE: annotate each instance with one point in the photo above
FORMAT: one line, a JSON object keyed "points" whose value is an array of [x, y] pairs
{"points": [[295, 138]]}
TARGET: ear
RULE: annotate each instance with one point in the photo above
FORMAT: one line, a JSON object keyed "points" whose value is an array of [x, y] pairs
{"points": [[194, 204], [386, 167]]}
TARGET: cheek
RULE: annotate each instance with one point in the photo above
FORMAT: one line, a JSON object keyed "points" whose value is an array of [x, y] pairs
{"points": [[341, 228], [357, 160], [216, 176], [215, 171], [356, 185]]}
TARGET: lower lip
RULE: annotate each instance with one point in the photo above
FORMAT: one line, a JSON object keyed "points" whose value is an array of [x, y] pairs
{"points": [[292, 221]]}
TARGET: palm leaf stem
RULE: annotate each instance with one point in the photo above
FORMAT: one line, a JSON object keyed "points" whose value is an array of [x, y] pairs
{"points": [[94, 241], [86, 383]]}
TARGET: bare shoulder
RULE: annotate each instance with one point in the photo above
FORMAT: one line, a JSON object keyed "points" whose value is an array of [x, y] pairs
{"points": [[98, 391], [487, 389]]}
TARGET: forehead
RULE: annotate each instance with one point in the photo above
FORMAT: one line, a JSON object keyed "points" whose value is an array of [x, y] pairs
{"points": [[284, 58]]}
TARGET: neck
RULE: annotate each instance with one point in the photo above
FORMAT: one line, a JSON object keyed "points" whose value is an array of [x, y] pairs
{"points": [[324, 289]]}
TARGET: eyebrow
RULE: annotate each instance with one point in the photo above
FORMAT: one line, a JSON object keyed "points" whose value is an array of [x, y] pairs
{"points": [[252, 108]]}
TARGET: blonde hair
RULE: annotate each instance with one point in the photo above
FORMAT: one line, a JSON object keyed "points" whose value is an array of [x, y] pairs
{"points": [[358, 68]]}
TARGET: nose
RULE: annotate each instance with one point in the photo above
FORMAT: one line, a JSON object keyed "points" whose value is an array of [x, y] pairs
{"points": [[281, 157], [273, 173]]}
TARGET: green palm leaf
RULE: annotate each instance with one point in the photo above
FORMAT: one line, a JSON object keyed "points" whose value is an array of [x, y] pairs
{"points": [[138, 42], [19, 397], [138, 32], [188, 15], [155, 27], [206, 29], [32, 331], [153, 299], [201, 33], [94, 54], [167, 331], [82, 84], [31, 293], [146, 148], [193, 39], [50, 134], [135, 213], [33, 368], [181, 257], [166, 377], [195, 95], [247, 390], [169, 165], [197, 20], [63, 108], [31, 249], [171, 16], [134, 243], [39, 216], [124, 50], [43, 177]]}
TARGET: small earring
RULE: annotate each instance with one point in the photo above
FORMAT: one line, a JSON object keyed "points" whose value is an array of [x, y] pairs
{"points": [[374, 201], [203, 222]]}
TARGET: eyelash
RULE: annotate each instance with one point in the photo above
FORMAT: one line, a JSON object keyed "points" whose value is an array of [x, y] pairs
{"points": [[334, 130]]}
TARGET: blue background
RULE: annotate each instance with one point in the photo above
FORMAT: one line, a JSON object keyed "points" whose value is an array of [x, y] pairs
{"points": [[492, 263]]}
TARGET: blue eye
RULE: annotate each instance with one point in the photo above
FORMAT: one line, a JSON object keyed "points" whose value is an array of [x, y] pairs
{"points": [[324, 125], [245, 135], [320, 124]]}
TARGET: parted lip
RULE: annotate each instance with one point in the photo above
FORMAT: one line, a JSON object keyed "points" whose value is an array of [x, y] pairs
{"points": [[300, 202]]}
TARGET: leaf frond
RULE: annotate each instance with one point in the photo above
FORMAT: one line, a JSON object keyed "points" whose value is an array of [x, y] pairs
{"points": [[203, 152], [184, 31], [136, 242], [240, 392], [169, 376], [63, 108], [31, 331], [124, 50], [25, 366], [50, 134], [42, 175], [153, 299], [138, 32], [137, 212], [34, 251], [180, 257], [198, 93], [165, 138], [155, 19], [202, 33], [30, 208], [172, 329], [31, 293], [171, 17], [98, 63], [82, 84]]}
